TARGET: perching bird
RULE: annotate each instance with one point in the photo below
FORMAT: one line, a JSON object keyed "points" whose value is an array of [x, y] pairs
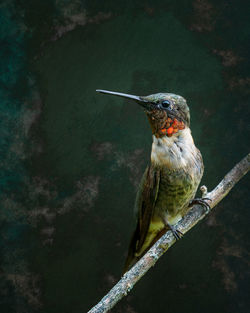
{"points": [[171, 180]]}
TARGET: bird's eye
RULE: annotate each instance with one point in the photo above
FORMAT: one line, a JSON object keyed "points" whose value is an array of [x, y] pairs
{"points": [[166, 104]]}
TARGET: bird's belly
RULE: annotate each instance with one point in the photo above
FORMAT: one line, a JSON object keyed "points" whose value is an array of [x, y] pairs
{"points": [[175, 192]]}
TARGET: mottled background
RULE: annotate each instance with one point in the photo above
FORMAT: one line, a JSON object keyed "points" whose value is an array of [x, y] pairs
{"points": [[71, 159]]}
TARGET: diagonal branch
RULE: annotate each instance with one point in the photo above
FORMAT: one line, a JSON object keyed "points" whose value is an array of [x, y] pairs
{"points": [[197, 213]]}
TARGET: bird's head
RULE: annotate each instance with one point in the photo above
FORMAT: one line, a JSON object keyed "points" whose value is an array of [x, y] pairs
{"points": [[167, 113]]}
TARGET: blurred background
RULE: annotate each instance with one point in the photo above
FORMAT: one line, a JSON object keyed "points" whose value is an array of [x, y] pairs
{"points": [[71, 159]]}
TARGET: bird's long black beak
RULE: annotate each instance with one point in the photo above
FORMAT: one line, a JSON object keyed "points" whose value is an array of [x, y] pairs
{"points": [[140, 100]]}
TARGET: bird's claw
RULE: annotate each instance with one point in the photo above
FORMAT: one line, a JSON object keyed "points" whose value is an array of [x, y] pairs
{"points": [[177, 233], [201, 201]]}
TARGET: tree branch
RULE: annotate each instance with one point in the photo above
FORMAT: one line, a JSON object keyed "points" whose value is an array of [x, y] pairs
{"points": [[197, 213]]}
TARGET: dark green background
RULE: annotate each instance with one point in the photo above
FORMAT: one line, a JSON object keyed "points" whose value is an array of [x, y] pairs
{"points": [[71, 159]]}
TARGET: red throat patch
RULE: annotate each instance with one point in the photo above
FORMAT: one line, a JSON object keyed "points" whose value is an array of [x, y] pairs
{"points": [[172, 127], [162, 125]]}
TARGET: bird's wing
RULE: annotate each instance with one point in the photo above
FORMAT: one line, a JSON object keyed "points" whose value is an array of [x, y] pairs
{"points": [[145, 203]]}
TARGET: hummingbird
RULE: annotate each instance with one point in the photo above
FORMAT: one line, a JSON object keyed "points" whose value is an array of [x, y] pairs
{"points": [[170, 181]]}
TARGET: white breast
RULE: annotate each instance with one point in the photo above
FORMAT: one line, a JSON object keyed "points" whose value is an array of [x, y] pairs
{"points": [[174, 152]]}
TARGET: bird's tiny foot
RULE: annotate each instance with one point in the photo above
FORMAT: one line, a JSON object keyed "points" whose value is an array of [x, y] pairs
{"points": [[201, 201], [177, 233]]}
